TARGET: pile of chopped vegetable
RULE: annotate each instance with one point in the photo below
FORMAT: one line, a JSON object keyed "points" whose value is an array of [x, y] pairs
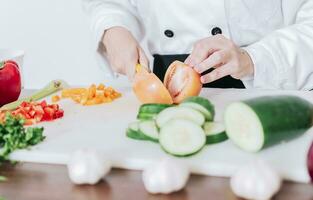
{"points": [[93, 95], [35, 112], [14, 136], [181, 130], [184, 129]]}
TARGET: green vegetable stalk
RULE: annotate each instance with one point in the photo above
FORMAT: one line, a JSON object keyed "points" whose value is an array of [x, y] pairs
{"points": [[52, 87], [14, 136]]}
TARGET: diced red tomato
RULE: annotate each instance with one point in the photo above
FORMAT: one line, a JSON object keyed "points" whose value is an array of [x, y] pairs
{"points": [[32, 113], [39, 110], [27, 116], [24, 104], [59, 114], [38, 117], [29, 122], [35, 112], [55, 107], [43, 104], [49, 113]]}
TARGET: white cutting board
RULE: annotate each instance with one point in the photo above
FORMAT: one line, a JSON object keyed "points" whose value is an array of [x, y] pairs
{"points": [[103, 128]]}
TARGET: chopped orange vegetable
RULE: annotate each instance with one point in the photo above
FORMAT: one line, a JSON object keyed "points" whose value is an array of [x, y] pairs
{"points": [[100, 87], [55, 99], [2, 116], [93, 95], [92, 91], [67, 93]]}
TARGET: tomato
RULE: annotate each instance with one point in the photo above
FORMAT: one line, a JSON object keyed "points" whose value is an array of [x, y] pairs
{"points": [[32, 113], [55, 107], [10, 82], [49, 113], [39, 110], [35, 112], [59, 114], [43, 104]]}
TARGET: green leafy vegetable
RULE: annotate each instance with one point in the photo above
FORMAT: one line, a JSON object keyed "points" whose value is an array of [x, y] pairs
{"points": [[3, 179], [14, 136]]}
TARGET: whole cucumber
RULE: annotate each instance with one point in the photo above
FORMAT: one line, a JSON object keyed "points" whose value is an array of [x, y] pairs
{"points": [[262, 122]]}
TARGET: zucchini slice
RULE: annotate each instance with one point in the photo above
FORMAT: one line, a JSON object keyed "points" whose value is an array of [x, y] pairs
{"points": [[153, 108], [262, 122], [134, 133], [201, 104], [134, 126], [215, 132], [180, 137], [146, 116], [150, 130], [149, 111], [179, 113]]}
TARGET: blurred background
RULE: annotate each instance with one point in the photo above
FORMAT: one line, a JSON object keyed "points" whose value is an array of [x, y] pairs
{"points": [[56, 38]]}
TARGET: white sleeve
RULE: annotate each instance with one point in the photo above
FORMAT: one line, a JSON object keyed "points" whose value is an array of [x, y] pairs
{"points": [[106, 14], [109, 13], [284, 58]]}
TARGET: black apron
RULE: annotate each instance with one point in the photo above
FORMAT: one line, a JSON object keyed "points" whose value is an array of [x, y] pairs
{"points": [[162, 62]]}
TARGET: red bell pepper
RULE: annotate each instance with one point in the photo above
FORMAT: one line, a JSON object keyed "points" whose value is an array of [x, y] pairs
{"points": [[10, 82], [310, 162]]}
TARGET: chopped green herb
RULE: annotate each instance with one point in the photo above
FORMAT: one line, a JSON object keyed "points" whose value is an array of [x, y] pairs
{"points": [[2, 179], [14, 136]]}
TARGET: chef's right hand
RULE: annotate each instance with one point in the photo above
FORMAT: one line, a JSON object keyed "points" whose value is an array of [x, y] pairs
{"points": [[123, 51]]}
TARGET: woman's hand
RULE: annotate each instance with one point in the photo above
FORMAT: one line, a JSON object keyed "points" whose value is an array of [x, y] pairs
{"points": [[222, 54], [123, 51]]}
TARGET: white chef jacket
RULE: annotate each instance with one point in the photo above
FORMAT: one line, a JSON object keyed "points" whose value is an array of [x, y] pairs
{"points": [[278, 34]]}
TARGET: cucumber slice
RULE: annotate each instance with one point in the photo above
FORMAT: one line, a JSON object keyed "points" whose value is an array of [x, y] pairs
{"points": [[152, 108], [134, 133], [201, 104], [215, 132], [146, 116], [179, 113], [134, 126], [180, 137], [150, 130], [150, 111], [262, 122]]}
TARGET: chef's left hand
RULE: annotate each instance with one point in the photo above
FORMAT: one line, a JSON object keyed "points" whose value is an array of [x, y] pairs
{"points": [[222, 54]]}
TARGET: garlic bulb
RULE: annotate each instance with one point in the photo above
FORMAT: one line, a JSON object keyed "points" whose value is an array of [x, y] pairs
{"points": [[87, 167], [257, 180], [165, 177]]}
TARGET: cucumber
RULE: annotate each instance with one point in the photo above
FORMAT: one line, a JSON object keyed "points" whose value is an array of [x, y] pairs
{"points": [[134, 133], [215, 132], [134, 126], [180, 137], [153, 108], [149, 111], [179, 113], [150, 130], [262, 122], [201, 104], [146, 116]]}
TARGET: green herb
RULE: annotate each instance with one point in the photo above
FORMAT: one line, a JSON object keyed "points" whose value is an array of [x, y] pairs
{"points": [[3, 179], [14, 136]]}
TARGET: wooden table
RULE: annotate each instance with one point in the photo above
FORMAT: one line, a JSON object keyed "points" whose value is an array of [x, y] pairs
{"points": [[34, 181]]}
